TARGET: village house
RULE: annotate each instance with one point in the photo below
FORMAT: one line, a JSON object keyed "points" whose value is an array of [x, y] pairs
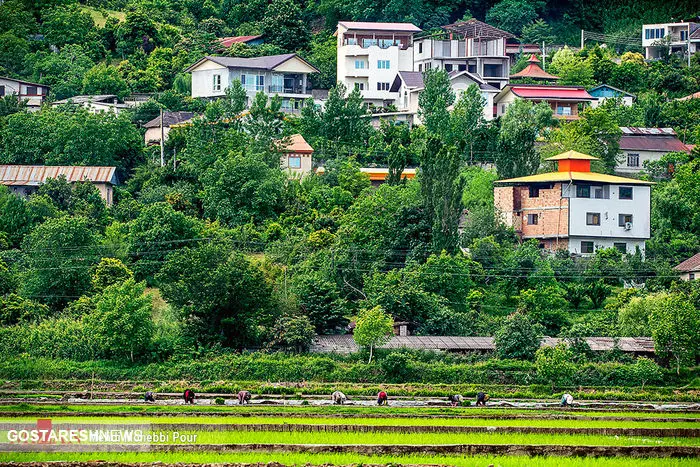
{"points": [[370, 55], [471, 46], [690, 268], [378, 175], [297, 156], [575, 209], [95, 103], [515, 49], [639, 145], [284, 75], [659, 40], [605, 92], [409, 85], [566, 101], [34, 94], [24, 180], [170, 119]]}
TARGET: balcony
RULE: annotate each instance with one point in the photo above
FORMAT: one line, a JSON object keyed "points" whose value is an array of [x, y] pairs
{"points": [[272, 89]]}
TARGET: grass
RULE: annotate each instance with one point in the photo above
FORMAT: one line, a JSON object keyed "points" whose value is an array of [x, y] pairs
{"points": [[301, 459], [328, 410], [99, 18], [561, 423]]}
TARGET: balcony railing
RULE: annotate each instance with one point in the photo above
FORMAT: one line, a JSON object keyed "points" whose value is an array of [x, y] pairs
{"points": [[274, 89]]}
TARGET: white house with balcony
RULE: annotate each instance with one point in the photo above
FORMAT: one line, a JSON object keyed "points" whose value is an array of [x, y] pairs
{"points": [[370, 55], [284, 75], [34, 94], [670, 38], [471, 46], [575, 209]]}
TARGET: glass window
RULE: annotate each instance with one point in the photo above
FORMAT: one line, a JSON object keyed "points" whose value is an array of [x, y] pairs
{"points": [[532, 219], [691, 276], [350, 41], [623, 219], [563, 110], [32, 91], [583, 191], [2, 91], [684, 35], [277, 83], [632, 160], [360, 86], [383, 86], [260, 83], [534, 192], [448, 67], [592, 218], [383, 64], [294, 162], [626, 192], [359, 64], [621, 246], [647, 33], [216, 85], [420, 47], [586, 247]]}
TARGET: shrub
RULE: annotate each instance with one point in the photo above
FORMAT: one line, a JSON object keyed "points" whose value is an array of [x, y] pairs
{"points": [[219, 401], [517, 338]]}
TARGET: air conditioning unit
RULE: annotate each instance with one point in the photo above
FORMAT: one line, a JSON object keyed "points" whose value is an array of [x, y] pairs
{"points": [[628, 226]]}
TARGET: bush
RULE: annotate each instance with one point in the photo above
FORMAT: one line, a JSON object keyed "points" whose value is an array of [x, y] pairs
{"points": [[219, 401], [517, 338]]}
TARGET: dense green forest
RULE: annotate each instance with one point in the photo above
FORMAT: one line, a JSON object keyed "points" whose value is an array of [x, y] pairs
{"points": [[224, 251]]}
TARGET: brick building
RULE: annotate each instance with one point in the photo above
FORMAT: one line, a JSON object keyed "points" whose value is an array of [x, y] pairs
{"points": [[576, 209]]}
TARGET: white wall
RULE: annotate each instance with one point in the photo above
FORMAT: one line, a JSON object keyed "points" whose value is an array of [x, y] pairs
{"points": [[203, 79], [627, 101], [600, 243], [639, 206]]}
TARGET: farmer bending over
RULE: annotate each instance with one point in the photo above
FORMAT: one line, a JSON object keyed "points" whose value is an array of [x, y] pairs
{"points": [[243, 397], [338, 398], [189, 396], [455, 399], [481, 399], [566, 399], [149, 397], [382, 398]]}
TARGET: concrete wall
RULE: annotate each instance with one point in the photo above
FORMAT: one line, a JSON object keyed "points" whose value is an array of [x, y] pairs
{"points": [[600, 243], [609, 209], [643, 156], [306, 163]]}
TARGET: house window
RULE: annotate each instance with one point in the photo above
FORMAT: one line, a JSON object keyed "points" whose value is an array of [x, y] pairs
{"points": [[691, 276], [448, 67], [360, 86], [586, 247], [534, 192], [260, 83], [621, 247], [32, 91], [632, 160], [420, 67], [592, 218], [420, 47], [216, 83], [625, 192], [599, 192], [583, 191], [359, 64], [461, 67], [382, 86], [564, 111], [2, 91], [647, 34], [383, 64], [623, 219], [684, 35], [532, 219], [294, 162]]}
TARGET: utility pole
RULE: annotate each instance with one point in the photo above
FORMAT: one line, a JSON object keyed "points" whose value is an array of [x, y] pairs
{"points": [[162, 140], [688, 40], [582, 39], [544, 57]]}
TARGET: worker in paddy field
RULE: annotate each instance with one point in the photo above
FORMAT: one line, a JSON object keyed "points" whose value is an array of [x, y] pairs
{"points": [[338, 398], [189, 396], [455, 399], [149, 397], [382, 398], [481, 398], [566, 399], [243, 397]]}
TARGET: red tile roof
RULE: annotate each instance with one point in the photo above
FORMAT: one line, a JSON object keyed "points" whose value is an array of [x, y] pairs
{"points": [[573, 93], [533, 71], [297, 144], [227, 41], [690, 264]]}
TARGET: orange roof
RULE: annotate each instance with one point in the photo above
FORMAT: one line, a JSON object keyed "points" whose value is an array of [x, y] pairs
{"points": [[298, 144], [572, 155], [380, 173], [533, 70]]}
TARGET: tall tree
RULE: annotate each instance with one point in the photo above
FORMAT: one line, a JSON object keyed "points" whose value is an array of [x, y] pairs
{"points": [[434, 101], [283, 25], [675, 325], [466, 119], [522, 122], [373, 328]]}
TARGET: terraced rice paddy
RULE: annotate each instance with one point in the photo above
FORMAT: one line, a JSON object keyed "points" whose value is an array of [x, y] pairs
{"points": [[363, 435]]}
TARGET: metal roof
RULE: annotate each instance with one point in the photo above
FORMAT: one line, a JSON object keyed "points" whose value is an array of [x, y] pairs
{"points": [[37, 174], [651, 139], [24, 82], [635, 130], [268, 62], [573, 93], [84, 99], [690, 264], [586, 177], [621, 91], [346, 344], [169, 119], [572, 155], [227, 41], [370, 26], [474, 28]]}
